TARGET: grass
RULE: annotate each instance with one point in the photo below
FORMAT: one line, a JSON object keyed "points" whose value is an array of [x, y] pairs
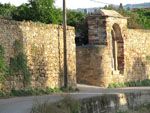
{"points": [[35, 92], [130, 84], [67, 105]]}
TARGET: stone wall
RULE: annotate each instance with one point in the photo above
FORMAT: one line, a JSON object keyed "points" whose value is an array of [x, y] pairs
{"points": [[96, 29], [137, 54], [115, 53], [93, 65], [43, 46], [94, 61]]}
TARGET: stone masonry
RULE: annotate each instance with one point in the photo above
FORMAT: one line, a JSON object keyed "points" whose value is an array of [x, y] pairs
{"points": [[43, 46], [115, 53]]}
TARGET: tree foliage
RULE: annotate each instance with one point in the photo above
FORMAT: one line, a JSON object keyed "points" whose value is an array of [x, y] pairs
{"points": [[22, 12], [138, 18], [6, 10], [38, 10], [121, 6], [44, 11], [74, 17], [78, 20]]}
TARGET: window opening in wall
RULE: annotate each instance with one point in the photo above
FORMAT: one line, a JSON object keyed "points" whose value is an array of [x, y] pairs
{"points": [[117, 49]]}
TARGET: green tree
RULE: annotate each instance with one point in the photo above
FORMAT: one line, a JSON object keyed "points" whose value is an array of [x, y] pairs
{"points": [[43, 10], [6, 10], [22, 12], [78, 20], [39, 10], [121, 6], [74, 17], [143, 17]]}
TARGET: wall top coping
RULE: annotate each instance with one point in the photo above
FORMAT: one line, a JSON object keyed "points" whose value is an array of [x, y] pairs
{"points": [[108, 13]]}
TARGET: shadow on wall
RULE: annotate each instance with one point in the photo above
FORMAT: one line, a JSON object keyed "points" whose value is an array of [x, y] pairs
{"points": [[61, 72], [71, 69], [138, 71]]}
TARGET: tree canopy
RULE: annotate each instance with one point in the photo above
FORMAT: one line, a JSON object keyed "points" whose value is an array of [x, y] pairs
{"points": [[44, 11], [6, 10], [38, 10], [138, 18]]}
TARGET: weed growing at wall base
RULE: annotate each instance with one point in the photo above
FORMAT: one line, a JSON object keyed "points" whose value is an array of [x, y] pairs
{"points": [[35, 92], [30, 92], [130, 84]]}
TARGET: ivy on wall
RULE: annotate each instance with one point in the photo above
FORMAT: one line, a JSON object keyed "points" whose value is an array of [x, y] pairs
{"points": [[148, 58], [3, 66], [18, 64]]}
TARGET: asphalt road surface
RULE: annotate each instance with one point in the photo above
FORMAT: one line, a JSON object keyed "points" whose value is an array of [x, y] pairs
{"points": [[24, 104]]}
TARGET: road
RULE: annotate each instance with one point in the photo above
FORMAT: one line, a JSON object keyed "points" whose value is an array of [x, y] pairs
{"points": [[24, 104]]}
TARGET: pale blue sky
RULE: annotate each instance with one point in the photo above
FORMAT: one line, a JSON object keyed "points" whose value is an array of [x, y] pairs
{"points": [[73, 4]]}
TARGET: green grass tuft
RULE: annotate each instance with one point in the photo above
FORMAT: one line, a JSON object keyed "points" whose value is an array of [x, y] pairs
{"points": [[130, 84]]}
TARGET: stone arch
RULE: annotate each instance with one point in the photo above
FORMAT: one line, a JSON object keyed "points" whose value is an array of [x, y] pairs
{"points": [[117, 49]]}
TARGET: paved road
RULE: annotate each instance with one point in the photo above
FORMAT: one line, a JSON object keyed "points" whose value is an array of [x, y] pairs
{"points": [[24, 104], [95, 89]]}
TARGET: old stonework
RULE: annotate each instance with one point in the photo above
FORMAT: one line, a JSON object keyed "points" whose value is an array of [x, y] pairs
{"points": [[115, 53]]}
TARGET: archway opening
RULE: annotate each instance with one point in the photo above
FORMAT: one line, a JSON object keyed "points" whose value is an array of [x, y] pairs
{"points": [[117, 49]]}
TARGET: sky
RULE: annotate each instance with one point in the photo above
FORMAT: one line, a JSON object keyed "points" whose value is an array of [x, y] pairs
{"points": [[74, 4]]}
